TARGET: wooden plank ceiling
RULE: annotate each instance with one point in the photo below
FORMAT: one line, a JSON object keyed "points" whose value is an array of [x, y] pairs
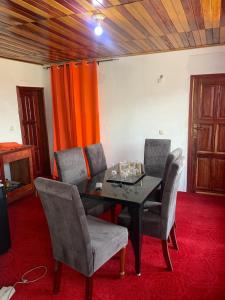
{"points": [[47, 31]]}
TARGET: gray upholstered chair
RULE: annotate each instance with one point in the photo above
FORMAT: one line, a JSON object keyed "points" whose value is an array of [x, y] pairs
{"points": [[97, 163], [96, 158], [155, 155], [154, 201], [71, 165], [82, 242], [72, 169], [161, 224]]}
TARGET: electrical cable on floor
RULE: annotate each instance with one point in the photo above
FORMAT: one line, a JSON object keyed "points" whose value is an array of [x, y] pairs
{"points": [[7, 292]]}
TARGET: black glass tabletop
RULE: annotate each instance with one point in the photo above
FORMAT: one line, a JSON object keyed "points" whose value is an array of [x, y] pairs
{"points": [[136, 193]]}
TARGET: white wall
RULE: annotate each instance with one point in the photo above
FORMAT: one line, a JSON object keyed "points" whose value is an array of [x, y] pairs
{"points": [[14, 74], [134, 106], [48, 111]]}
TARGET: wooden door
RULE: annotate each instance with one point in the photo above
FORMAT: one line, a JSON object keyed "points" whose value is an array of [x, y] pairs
{"points": [[206, 150], [33, 126]]}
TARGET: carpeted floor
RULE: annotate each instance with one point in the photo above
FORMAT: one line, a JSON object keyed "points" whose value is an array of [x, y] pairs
{"points": [[199, 265]]}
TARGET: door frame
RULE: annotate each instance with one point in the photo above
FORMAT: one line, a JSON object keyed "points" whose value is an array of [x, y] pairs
{"points": [[40, 89], [190, 171]]}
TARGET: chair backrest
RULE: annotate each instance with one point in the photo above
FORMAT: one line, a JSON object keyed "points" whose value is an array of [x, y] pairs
{"points": [[169, 197], [96, 158], [71, 165], [172, 156], [67, 224], [155, 155]]}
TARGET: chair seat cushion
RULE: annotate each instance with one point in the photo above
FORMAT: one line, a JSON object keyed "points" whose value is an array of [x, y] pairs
{"points": [[152, 206], [106, 240], [95, 207], [151, 222], [155, 196]]}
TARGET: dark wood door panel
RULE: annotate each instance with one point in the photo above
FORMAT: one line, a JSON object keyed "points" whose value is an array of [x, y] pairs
{"points": [[33, 126], [205, 137], [218, 175], [207, 101], [203, 174], [206, 149], [29, 120], [221, 104], [220, 138]]}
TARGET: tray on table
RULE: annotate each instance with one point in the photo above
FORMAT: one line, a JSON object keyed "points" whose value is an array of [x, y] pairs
{"points": [[132, 179]]}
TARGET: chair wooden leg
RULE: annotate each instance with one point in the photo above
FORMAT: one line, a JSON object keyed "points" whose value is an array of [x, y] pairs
{"points": [[166, 255], [122, 261], [113, 215], [173, 238], [57, 277], [89, 288]]}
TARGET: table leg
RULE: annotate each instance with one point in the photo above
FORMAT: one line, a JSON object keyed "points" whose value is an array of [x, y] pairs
{"points": [[136, 235]]}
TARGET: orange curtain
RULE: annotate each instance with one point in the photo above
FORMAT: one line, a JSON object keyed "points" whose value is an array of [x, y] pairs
{"points": [[75, 105]]}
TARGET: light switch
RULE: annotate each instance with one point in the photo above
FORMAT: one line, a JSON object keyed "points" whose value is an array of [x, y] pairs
{"points": [[11, 128], [161, 132]]}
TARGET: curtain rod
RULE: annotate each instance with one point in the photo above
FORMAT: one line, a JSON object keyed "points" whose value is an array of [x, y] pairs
{"points": [[79, 62]]}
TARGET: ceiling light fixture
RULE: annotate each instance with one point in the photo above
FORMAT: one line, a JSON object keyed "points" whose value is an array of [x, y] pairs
{"points": [[98, 30], [98, 19], [97, 2]]}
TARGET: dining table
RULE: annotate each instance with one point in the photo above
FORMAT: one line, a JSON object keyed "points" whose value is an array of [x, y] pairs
{"points": [[129, 193]]}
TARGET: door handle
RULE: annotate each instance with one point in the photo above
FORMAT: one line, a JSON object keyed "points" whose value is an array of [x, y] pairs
{"points": [[196, 126], [194, 133], [195, 129]]}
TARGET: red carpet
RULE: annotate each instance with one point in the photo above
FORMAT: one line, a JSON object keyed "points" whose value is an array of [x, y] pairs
{"points": [[199, 265]]}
